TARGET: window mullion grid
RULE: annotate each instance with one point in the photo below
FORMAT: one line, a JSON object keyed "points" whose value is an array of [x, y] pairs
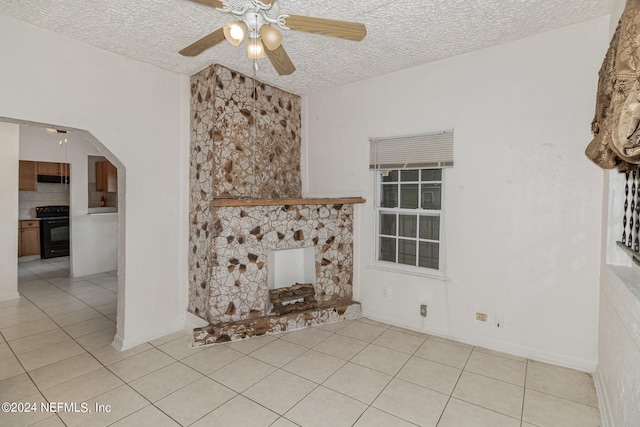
{"points": [[416, 261], [632, 212], [636, 195], [397, 232], [420, 181], [418, 212], [626, 207], [631, 215], [398, 199]]}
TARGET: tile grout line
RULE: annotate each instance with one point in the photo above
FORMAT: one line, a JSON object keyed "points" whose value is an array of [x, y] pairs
{"points": [[242, 393], [370, 405], [455, 385], [40, 391], [57, 324], [524, 392], [150, 403], [276, 370], [86, 351]]}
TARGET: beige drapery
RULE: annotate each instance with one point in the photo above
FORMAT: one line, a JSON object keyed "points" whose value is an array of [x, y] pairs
{"points": [[616, 125]]}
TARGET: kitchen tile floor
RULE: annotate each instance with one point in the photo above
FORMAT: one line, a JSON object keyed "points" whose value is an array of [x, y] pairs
{"points": [[55, 347]]}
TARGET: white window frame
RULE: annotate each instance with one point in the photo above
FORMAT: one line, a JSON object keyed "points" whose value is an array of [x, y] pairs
{"points": [[397, 266]]}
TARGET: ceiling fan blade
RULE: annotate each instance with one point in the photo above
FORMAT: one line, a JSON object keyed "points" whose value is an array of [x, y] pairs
{"points": [[281, 61], [327, 27], [210, 40], [213, 3]]}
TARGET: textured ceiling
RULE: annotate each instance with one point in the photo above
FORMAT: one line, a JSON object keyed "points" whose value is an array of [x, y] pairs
{"points": [[400, 33]]}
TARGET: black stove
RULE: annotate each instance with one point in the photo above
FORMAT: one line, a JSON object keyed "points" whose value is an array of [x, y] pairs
{"points": [[54, 231], [52, 211]]}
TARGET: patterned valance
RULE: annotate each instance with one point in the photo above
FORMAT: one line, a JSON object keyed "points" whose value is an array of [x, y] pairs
{"points": [[616, 125]]}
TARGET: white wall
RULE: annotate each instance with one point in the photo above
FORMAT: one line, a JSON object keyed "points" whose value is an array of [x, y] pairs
{"points": [[9, 139], [523, 203], [94, 238], [140, 113]]}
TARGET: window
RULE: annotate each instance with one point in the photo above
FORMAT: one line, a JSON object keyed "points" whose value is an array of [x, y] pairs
{"points": [[409, 217], [409, 198], [630, 241]]}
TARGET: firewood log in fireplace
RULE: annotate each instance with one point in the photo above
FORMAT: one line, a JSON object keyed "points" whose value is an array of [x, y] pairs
{"points": [[303, 291]]}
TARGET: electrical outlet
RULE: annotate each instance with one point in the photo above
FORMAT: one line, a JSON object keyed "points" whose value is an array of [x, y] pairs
{"points": [[423, 310], [482, 317], [385, 291]]}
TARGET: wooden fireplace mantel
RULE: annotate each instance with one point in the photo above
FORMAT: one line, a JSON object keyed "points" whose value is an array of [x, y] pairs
{"points": [[281, 202]]}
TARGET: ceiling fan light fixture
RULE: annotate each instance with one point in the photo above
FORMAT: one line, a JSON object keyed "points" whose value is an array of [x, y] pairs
{"points": [[271, 37], [235, 32], [255, 49], [259, 22]]}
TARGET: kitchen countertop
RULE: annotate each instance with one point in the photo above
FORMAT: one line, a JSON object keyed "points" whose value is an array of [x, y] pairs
{"points": [[102, 210]]}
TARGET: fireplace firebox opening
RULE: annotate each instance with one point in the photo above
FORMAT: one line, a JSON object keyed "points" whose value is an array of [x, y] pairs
{"points": [[286, 267]]}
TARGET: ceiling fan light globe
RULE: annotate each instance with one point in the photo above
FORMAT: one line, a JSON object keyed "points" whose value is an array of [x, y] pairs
{"points": [[235, 32], [255, 49], [271, 37]]}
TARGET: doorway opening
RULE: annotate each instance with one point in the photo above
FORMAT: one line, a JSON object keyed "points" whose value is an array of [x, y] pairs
{"points": [[88, 280]]}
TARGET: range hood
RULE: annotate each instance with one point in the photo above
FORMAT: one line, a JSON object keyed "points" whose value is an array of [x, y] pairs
{"points": [[54, 179]]}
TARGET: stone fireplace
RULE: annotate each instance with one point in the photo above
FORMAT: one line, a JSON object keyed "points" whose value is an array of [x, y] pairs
{"points": [[247, 215]]}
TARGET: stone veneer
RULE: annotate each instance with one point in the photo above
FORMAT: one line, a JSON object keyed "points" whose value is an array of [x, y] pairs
{"points": [[225, 332], [227, 118], [245, 144], [243, 236], [245, 136]]}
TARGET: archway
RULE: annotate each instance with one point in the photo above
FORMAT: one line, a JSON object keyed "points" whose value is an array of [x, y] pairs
{"points": [[89, 250]]}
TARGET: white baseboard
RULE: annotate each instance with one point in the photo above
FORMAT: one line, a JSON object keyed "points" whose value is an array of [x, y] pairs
{"points": [[9, 296], [379, 317], [118, 343], [517, 350], [603, 400], [534, 354], [128, 342], [192, 322]]}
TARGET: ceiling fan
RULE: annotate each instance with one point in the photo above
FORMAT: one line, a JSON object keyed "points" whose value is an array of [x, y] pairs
{"points": [[258, 20]]}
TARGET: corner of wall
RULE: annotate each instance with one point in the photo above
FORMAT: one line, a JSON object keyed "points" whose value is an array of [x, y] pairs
{"points": [[603, 399], [9, 146], [304, 145]]}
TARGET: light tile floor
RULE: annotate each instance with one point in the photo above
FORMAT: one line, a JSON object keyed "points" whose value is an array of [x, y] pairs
{"points": [[55, 347]]}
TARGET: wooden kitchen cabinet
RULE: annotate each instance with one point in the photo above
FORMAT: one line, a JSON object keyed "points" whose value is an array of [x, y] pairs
{"points": [[28, 238], [106, 177], [53, 169], [28, 176], [29, 171]]}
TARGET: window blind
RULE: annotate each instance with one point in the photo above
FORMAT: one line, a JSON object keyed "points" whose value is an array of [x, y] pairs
{"points": [[422, 151]]}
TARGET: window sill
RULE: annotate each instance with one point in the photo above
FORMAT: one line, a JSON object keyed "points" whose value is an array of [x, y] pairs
{"points": [[628, 275], [635, 256], [393, 268]]}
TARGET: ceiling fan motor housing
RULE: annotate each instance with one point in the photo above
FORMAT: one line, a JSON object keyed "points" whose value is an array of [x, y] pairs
{"points": [[254, 20]]}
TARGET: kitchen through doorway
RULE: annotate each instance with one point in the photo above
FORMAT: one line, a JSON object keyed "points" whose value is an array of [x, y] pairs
{"points": [[77, 290]]}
